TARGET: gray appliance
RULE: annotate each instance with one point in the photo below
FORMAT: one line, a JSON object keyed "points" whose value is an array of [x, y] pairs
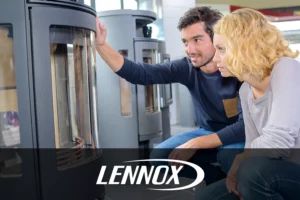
{"points": [[166, 98], [49, 136], [129, 114]]}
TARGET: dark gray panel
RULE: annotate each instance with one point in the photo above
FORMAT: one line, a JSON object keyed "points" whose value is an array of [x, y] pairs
{"points": [[42, 19], [165, 89], [166, 126], [79, 5], [13, 13]]}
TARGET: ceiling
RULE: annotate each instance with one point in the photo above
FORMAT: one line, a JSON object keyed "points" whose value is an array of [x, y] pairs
{"points": [[257, 4]]}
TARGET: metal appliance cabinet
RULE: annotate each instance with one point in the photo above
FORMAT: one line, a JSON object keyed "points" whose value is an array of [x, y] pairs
{"points": [[49, 134], [129, 114], [166, 97]]}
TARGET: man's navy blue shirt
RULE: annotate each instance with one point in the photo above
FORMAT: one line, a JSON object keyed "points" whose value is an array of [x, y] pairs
{"points": [[216, 100]]}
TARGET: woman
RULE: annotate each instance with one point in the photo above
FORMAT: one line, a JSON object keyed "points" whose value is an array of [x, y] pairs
{"points": [[250, 48]]}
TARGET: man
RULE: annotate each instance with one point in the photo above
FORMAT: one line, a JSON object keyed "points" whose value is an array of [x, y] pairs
{"points": [[215, 99]]}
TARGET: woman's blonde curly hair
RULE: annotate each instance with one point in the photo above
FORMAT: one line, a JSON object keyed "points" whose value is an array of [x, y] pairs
{"points": [[252, 43]]}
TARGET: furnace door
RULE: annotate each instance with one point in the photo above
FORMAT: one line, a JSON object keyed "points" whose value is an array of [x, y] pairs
{"points": [[165, 89], [17, 168], [148, 96], [64, 58]]}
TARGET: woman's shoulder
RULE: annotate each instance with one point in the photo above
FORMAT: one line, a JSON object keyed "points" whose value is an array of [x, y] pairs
{"points": [[287, 60], [244, 90], [285, 73], [286, 65]]}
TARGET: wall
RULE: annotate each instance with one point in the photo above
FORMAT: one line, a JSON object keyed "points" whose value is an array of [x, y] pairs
{"points": [[223, 8], [182, 104]]}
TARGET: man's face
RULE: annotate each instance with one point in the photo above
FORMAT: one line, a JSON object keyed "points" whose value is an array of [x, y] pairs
{"points": [[198, 45]]}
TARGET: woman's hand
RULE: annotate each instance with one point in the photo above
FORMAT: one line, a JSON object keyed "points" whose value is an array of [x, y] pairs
{"points": [[231, 180]]}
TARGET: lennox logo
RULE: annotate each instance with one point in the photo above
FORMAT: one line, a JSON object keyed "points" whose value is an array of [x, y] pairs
{"points": [[141, 172]]}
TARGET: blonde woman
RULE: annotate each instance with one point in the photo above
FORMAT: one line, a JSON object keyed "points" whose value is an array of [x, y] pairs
{"points": [[250, 48]]}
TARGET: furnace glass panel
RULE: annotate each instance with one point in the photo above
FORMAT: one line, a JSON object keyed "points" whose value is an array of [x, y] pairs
{"points": [[151, 91], [168, 92], [73, 86], [73, 71], [10, 161], [125, 92]]}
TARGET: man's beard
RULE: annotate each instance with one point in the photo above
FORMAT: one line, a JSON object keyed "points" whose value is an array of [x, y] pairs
{"points": [[197, 68]]}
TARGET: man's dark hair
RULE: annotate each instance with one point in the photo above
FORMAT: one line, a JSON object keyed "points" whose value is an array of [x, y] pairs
{"points": [[200, 14]]}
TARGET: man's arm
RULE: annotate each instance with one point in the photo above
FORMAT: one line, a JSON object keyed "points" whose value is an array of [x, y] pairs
{"points": [[206, 142], [149, 74], [234, 133], [112, 58], [139, 73]]}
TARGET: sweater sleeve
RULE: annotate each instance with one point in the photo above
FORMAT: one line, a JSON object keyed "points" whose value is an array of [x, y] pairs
{"points": [[149, 74], [250, 128], [283, 126]]}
